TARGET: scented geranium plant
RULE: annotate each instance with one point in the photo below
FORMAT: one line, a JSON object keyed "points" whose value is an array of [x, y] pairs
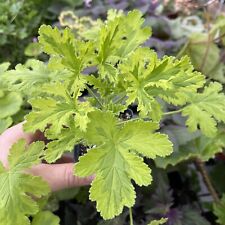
{"points": [[115, 71]]}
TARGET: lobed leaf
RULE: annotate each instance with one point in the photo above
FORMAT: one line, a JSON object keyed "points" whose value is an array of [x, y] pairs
{"points": [[119, 37], [16, 186], [149, 77], [73, 54], [115, 160], [29, 78], [62, 142], [196, 50], [57, 109], [201, 147], [205, 109]]}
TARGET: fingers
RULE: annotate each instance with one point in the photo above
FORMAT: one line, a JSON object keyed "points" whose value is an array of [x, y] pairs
{"points": [[60, 176], [15, 133]]}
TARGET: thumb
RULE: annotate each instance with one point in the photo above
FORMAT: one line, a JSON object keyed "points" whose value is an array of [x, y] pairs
{"points": [[60, 176]]}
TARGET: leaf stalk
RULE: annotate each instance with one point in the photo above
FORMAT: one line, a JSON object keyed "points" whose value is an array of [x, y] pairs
{"points": [[201, 168], [94, 95], [172, 112], [125, 121], [131, 216]]}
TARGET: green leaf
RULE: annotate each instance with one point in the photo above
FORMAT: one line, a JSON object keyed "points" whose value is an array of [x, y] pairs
{"points": [[5, 123], [30, 77], [205, 109], [17, 186], [4, 67], [202, 61], [201, 147], [62, 142], [45, 218], [218, 209], [112, 96], [10, 104], [116, 159], [117, 39], [57, 109], [74, 55], [56, 42], [158, 222], [33, 49], [179, 134], [122, 35], [149, 77]]}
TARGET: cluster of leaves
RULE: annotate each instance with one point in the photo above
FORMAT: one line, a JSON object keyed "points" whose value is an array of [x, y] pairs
{"points": [[125, 73], [67, 110]]}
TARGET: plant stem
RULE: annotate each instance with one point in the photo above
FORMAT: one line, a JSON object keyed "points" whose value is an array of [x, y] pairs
{"points": [[201, 168], [172, 112], [93, 95], [120, 99], [131, 216], [205, 56], [181, 52], [125, 121]]}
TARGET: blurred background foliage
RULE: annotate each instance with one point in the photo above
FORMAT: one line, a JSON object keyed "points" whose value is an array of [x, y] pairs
{"points": [[179, 27]]}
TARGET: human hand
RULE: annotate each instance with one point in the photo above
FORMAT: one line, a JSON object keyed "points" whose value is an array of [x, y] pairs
{"points": [[59, 176]]}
